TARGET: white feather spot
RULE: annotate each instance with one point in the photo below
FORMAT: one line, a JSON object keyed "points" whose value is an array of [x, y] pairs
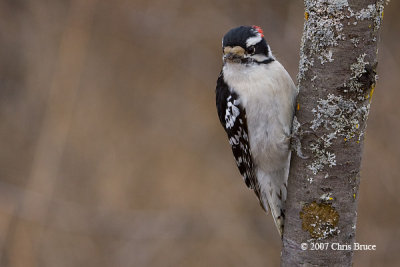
{"points": [[233, 141], [231, 118]]}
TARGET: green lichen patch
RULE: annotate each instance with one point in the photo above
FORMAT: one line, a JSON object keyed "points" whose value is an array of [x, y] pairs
{"points": [[323, 29], [362, 79], [363, 76], [320, 220], [322, 157], [341, 117], [357, 70], [304, 65], [373, 11]]}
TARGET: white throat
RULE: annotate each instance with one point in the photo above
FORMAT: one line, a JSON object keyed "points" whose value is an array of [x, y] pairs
{"points": [[247, 80]]}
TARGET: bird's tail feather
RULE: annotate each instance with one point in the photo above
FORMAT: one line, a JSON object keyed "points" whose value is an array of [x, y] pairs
{"points": [[274, 192]]}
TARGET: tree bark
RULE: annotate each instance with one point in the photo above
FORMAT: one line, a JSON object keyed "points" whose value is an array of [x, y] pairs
{"points": [[337, 76]]}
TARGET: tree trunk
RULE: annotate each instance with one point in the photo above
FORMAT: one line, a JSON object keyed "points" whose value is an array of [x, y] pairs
{"points": [[337, 76]]}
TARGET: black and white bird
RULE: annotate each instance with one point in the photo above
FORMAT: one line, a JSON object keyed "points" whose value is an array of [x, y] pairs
{"points": [[255, 99]]}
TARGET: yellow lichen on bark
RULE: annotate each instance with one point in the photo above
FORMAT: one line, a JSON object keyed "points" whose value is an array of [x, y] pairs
{"points": [[319, 219]]}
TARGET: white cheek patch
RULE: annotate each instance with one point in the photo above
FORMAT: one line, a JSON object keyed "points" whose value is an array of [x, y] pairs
{"points": [[253, 40], [259, 57]]}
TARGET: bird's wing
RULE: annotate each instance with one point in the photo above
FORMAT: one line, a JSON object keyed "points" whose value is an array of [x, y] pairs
{"points": [[232, 116]]}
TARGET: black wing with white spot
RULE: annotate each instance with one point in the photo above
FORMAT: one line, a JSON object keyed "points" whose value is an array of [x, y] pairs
{"points": [[232, 116]]}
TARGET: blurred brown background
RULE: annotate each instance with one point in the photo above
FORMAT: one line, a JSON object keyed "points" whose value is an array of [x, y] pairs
{"points": [[112, 153]]}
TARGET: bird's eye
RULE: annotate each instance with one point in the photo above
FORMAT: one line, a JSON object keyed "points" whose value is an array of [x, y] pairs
{"points": [[251, 50]]}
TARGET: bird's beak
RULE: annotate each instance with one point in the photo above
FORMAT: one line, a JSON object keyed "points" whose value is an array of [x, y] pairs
{"points": [[233, 54]]}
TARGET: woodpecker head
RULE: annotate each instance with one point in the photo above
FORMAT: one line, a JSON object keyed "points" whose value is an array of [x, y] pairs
{"points": [[246, 45]]}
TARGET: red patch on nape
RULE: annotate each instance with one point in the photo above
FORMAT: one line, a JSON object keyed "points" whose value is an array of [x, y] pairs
{"points": [[258, 28]]}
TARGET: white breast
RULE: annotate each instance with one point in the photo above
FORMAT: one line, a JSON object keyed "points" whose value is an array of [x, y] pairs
{"points": [[267, 93]]}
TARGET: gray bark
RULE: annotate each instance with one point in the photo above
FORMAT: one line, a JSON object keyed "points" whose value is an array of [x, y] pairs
{"points": [[337, 77]]}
